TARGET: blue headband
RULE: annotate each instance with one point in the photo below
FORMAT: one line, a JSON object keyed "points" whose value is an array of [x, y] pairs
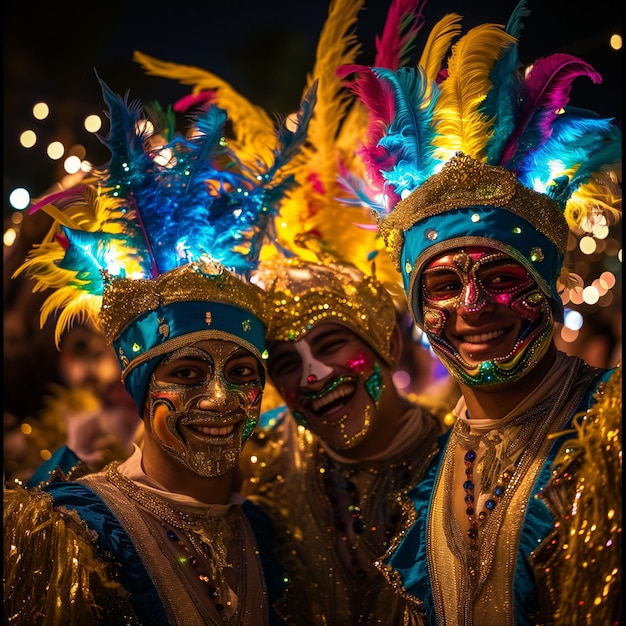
{"points": [[157, 332]]}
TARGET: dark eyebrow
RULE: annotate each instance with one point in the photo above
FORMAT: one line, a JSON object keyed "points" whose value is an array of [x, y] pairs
{"points": [[338, 331]]}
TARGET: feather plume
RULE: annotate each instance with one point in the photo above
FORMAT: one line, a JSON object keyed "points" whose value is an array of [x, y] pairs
{"points": [[163, 200], [502, 102], [337, 44], [438, 43], [546, 92], [253, 128], [461, 125], [409, 137], [404, 20]]}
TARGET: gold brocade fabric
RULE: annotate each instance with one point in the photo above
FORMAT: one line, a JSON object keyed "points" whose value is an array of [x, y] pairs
{"points": [[54, 576], [148, 519], [334, 579], [473, 581]]}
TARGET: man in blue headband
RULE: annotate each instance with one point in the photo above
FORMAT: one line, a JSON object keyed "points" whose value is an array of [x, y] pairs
{"points": [[483, 170], [157, 249]]}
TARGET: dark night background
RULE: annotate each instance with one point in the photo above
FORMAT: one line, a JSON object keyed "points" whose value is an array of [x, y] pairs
{"points": [[264, 49]]}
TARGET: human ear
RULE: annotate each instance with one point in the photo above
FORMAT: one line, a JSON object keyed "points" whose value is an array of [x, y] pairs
{"points": [[395, 345]]}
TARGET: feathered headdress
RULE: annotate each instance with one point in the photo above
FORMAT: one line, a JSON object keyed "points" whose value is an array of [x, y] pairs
{"points": [[455, 145], [171, 223], [325, 249]]}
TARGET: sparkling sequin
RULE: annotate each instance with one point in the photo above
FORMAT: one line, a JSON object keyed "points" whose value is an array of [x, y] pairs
{"points": [[302, 295], [466, 182]]}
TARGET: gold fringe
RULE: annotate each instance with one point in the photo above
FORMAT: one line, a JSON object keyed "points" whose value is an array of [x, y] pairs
{"points": [[52, 574], [587, 570]]}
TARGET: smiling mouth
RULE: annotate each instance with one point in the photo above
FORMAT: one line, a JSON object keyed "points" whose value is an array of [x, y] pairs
{"points": [[204, 430], [335, 396], [482, 337]]}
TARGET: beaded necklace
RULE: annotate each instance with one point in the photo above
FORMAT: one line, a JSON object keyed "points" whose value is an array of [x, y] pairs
{"points": [[349, 521], [333, 482], [498, 467], [490, 504], [210, 544]]}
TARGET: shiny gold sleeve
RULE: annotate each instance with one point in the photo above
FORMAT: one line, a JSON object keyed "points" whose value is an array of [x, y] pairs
{"points": [[52, 574]]}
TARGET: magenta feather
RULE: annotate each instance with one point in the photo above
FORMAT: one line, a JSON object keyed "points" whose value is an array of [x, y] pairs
{"points": [[546, 91], [67, 195], [379, 99], [206, 97], [404, 20]]}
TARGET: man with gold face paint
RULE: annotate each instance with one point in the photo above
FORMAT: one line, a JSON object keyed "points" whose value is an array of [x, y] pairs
{"points": [[516, 521], [329, 467], [163, 537]]}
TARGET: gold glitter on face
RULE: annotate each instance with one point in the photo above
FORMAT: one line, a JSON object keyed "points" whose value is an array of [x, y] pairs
{"points": [[202, 398], [329, 378]]}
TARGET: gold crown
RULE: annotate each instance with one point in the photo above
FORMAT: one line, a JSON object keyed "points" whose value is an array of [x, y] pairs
{"points": [[124, 300], [302, 294], [466, 182]]}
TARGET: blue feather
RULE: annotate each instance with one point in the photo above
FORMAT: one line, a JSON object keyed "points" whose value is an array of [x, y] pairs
{"points": [[502, 101], [409, 136]]}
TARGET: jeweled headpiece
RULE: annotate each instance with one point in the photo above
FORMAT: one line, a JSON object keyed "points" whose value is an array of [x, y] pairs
{"points": [[470, 151], [157, 248], [302, 294]]}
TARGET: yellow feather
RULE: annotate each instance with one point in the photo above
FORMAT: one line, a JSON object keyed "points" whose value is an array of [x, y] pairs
{"points": [[597, 199], [460, 124], [438, 42], [337, 46], [254, 128]]}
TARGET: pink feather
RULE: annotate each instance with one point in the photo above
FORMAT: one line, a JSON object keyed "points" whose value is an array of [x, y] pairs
{"points": [[195, 100], [546, 91], [404, 20]]}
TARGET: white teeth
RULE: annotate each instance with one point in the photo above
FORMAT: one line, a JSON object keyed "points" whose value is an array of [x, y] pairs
{"points": [[215, 431], [335, 394], [484, 337]]}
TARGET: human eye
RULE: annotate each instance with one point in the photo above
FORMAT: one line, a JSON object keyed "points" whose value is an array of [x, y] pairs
{"points": [[503, 276], [183, 372], [331, 345], [242, 370], [441, 285], [331, 341], [283, 365]]}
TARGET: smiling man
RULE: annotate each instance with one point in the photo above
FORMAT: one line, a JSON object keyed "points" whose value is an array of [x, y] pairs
{"points": [[329, 469], [146, 249], [486, 181]]}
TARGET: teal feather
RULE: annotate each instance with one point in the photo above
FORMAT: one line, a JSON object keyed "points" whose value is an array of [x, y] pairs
{"points": [[88, 255], [291, 142], [581, 144], [409, 136], [502, 101]]}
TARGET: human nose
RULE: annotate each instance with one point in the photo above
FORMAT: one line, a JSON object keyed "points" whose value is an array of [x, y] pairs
{"points": [[312, 371], [473, 298], [217, 396], [312, 368]]}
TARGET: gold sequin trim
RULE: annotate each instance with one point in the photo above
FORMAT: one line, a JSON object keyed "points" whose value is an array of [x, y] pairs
{"points": [[465, 182]]}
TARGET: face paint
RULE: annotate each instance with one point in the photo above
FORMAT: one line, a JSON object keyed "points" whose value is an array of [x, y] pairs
{"points": [[312, 368], [476, 300], [204, 401], [328, 378]]}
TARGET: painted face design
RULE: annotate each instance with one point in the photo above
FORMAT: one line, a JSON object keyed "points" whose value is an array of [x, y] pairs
{"points": [[331, 381], [485, 315], [204, 402]]}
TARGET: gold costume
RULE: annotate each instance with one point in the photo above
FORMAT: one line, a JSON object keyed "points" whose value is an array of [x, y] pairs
{"points": [[317, 500]]}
